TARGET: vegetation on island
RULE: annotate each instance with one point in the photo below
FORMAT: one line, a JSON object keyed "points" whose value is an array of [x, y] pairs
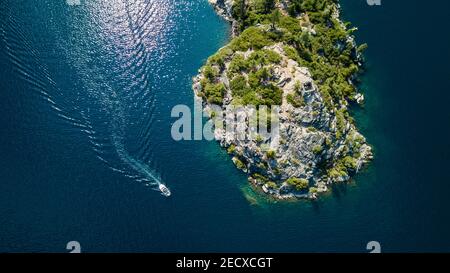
{"points": [[310, 34], [298, 183]]}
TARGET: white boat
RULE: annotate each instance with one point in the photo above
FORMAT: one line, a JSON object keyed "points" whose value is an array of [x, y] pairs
{"points": [[164, 190]]}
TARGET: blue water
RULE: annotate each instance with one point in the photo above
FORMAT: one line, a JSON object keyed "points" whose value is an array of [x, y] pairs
{"points": [[85, 101]]}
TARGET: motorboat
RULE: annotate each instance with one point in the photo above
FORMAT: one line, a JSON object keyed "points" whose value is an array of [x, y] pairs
{"points": [[164, 190]]}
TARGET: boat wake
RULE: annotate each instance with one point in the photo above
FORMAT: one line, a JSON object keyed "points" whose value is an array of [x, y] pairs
{"points": [[150, 176], [112, 79]]}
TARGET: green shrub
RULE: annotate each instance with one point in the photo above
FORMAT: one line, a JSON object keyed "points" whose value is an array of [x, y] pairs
{"points": [[263, 57], [239, 164], [262, 6], [298, 183], [260, 178], [295, 100], [336, 172], [259, 138], [271, 95], [291, 53], [210, 73], [262, 165], [349, 163], [214, 93], [231, 149], [251, 98], [271, 154], [317, 149], [340, 123], [237, 64], [239, 86], [251, 38], [271, 185], [290, 24]]}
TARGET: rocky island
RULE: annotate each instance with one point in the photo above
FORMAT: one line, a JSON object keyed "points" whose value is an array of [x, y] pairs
{"points": [[300, 56]]}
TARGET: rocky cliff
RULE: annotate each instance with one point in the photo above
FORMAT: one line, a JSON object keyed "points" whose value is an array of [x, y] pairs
{"points": [[317, 144]]}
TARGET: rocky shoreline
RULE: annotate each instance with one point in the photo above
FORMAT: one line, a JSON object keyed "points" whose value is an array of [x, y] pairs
{"points": [[318, 144]]}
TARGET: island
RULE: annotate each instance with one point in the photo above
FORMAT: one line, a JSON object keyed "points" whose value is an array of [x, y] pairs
{"points": [[300, 56]]}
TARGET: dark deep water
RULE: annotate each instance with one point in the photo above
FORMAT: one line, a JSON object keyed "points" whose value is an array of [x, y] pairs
{"points": [[85, 101]]}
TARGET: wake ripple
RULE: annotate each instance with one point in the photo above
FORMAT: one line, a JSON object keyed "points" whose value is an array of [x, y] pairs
{"points": [[110, 47]]}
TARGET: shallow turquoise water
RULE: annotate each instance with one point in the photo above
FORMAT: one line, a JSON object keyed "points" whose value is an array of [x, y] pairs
{"points": [[86, 95]]}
